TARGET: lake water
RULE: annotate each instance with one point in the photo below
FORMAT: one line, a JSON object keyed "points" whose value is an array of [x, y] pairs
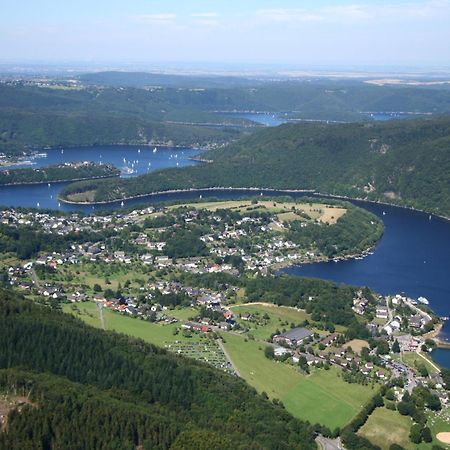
{"points": [[412, 257], [140, 160]]}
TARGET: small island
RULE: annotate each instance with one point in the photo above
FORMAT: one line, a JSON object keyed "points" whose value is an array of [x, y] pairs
{"points": [[69, 171]]}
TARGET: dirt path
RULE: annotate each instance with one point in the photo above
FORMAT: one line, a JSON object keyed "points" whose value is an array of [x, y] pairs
{"points": [[102, 318], [220, 343]]}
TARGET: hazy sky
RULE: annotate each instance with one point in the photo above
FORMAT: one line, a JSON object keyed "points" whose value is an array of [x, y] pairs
{"points": [[302, 33]]}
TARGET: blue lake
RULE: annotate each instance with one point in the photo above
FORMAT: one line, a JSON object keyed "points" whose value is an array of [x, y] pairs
{"points": [[140, 160], [412, 257]]}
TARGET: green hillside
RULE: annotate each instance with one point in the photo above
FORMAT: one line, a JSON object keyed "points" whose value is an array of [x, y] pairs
{"points": [[67, 385], [402, 162]]}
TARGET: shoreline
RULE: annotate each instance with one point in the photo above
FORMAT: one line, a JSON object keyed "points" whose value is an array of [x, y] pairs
{"points": [[180, 191], [237, 189], [31, 183]]}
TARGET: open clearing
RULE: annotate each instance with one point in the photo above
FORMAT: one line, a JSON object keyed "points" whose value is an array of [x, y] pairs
{"points": [[321, 397], [357, 345], [444, 437], [385, 427], [286, 211], [157, 334], [278, 315]]}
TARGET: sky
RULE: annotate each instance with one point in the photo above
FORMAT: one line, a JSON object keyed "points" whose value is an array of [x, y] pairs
{"points": [[332, 33]]}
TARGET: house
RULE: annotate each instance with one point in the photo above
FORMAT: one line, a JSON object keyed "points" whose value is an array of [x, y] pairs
{"points": [[224, 326], [293, 337], [416, 321], [246, 317], [382, 312], [328, 340]]}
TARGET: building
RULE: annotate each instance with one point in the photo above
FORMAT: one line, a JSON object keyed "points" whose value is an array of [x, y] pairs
{"points": [[293, 337]]}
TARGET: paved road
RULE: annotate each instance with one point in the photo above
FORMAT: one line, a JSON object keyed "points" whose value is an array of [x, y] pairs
{"points": [[329, 444], [220, 343]]}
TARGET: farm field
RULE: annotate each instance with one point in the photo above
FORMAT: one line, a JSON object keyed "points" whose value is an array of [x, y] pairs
{"points": [[317, 211], [321, 397]]}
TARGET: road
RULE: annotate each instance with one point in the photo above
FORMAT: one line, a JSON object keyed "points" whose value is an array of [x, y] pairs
{"points": [[34, 277], [329, 444], [220, 343]]}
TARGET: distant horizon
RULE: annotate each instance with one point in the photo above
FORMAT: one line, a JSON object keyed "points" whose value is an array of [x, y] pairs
{"points": [[193, 68], [299, 33]]}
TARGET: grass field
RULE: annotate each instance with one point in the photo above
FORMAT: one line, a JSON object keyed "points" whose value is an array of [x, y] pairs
{"points": [[317, 211], [263, 328], [157, 334], [385, 427], [411, 358], [320, 397]]}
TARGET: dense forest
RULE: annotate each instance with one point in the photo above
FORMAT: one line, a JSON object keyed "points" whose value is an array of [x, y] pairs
{"points": [[402, 162], [121, 108], [84, 388], [58, 172]]}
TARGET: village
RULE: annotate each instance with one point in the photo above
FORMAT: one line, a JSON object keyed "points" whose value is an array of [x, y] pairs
{"points": [[129, 272]]}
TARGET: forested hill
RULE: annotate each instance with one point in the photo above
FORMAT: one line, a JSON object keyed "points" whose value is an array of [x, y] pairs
{"points": [[402, 162], [70, 386]]}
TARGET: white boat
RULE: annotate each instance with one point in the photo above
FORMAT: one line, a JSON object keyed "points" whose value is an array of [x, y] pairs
{"points": [[139, 150], [121, 204], [38, 204], [62, 151], [48, 184], [384, 213], [155, 150], [423, 300]]}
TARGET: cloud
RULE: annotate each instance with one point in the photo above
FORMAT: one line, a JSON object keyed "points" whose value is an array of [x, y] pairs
{"points": [[163, 18], [207, 19], [424, 9]]}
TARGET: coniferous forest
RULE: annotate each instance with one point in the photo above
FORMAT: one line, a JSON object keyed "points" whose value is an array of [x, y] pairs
{"points": [[84, 388]]}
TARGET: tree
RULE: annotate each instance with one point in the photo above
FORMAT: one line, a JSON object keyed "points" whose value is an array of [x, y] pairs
{"points": [[97, 288], [269, 352], [382, 347], [396, 347], [426, 434], [415, 435]]}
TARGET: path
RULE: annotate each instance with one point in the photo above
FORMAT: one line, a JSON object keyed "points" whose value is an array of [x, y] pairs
{"points": [[429, 362], [329, 444], [220, 343], [34, 278], [102, 318]]}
